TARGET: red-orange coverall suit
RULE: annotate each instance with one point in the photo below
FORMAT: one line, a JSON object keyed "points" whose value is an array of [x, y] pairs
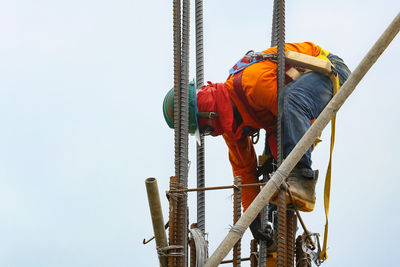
{"points": [[259, 83]]}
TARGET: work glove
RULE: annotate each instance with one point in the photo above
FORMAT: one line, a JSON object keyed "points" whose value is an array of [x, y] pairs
{"points": [[266, 234]]}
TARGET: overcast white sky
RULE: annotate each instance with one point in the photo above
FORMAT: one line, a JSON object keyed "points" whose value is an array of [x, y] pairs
{"points": [[81, 89]]}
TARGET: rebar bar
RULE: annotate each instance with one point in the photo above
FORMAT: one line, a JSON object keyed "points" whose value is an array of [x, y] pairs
{"points": [[231, 261], [214, 188], [178, 112], [237, 212], [173, 218], [177, 79], [280, 41], [263, 243], [302, 258], [184, 128], [273, 32], [200, 150], [291, 236], [253, 253], [282, 230]]}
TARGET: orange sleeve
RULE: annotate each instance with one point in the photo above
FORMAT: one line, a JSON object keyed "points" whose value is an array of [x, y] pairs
{"points": [[243, 159]]}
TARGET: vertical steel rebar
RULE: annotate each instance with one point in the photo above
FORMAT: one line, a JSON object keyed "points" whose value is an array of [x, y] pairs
{"points": [[264, 221], [253, 253], [177, 79], [280, 35], [273, 32], [291, 221], [282, 231], [173, 219], [264, 213], [184, 116], [237, 212], [200, 148], [180, 128], [302, 258], [280, 42]]}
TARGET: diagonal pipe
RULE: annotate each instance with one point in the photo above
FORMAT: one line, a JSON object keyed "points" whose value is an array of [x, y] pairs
{"points": [[305, 142]]}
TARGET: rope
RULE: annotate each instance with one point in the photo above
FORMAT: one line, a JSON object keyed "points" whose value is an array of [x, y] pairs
{"points": [[238, 229], [201, 246], [161, 251]]}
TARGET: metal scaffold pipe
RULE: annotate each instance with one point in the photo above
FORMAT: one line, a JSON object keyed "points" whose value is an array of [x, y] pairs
{"points": [[157, 218], [304, 144]]}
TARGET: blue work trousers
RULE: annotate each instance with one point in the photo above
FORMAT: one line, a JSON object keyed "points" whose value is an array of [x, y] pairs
{"points": [[302, 101]]}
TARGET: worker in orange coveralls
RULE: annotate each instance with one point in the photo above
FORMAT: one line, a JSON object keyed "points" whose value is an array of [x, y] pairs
{"points": [[247, 102]]}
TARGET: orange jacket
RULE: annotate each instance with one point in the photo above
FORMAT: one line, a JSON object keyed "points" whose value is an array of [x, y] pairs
{"points": [[259, 84]]}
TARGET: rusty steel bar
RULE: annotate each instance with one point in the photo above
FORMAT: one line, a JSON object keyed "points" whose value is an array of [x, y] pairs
{"points": [[214, 188], [231, 261], [302, 258], [200, 150], [174, 200], [253, 253], [282, 231], [291, 236], [308, 235], [157, 217], [279, 7], [182, 230], [184, 136], [237, 212], [178, 113], [177, 79]]}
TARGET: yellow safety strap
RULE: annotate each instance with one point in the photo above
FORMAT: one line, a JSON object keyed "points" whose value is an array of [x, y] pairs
{"points": [[327, 188], [323, 54]]}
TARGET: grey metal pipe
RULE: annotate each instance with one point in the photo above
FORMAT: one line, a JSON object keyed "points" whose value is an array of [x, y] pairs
{"points": [[157, 218], [304, 144]]}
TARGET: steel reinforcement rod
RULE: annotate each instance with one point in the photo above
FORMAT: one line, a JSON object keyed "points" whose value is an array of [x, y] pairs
{"points": [[279, 10], [182, 119], [304, 144], [173, 218], [264, 212], [201, 218], [237, 212]]}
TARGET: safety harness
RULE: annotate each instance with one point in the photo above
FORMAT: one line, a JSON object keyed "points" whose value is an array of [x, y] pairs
{"points": [[304, 63]]}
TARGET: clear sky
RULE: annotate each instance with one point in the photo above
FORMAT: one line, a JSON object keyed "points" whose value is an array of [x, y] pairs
{"points": [[81, 90]]}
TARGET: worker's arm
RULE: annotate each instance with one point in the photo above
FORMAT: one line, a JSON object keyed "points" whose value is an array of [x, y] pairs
{"points": [[244, 163]]}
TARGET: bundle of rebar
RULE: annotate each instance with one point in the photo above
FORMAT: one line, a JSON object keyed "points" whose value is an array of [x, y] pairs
{"points": [[181, 119]]}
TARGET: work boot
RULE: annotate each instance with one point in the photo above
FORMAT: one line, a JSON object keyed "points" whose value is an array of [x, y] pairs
{"points": [[302, 185]]}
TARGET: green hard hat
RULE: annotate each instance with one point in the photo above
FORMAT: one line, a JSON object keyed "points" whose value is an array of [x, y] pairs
{"points": [[168, 109]]}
